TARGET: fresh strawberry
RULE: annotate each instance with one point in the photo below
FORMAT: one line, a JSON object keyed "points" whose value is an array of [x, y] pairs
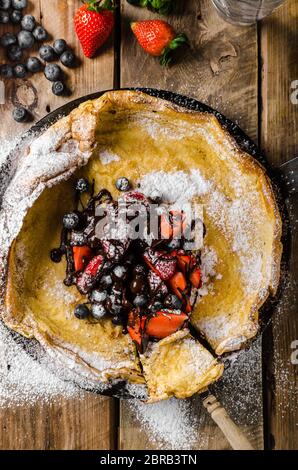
{"points": [[94, 23], [195, 277], [178, 284], [135, 327], [158, 38], [164, 323], [89, 277], [81, 256], [163, 264]]}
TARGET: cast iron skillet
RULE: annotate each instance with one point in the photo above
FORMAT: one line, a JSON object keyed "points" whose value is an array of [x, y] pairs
{"points": [[244, 142]]}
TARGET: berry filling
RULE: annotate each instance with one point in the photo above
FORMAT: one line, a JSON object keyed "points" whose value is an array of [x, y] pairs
{"points": [[144, 284]]}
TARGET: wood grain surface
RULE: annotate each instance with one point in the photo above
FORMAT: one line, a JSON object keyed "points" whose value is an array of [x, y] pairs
{"points": [[246, 73], [279, 140]]}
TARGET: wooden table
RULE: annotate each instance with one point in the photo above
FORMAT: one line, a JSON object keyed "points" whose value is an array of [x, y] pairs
{"points": [[246, 73]]}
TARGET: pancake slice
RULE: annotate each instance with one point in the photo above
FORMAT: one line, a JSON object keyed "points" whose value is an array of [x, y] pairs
{"points": [[178, 366]]}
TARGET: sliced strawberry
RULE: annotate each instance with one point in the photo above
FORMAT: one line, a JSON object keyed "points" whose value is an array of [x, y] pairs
{"points": [[135, 326], [162, 263], [187, 306], [185, 262], [164, 323], [156, 283], [89, 277], [81, 256], [195, 277], [172, 225], [178, 284]]}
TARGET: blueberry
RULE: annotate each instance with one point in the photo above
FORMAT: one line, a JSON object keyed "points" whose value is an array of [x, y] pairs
{"points": [[117, 320], [98, 295], [26, 39], [172, 301], [28, 23], [98, 311], [14, 53], [156, 306], [20, 114], [19, 4], [16, 16], [52, 72], [5, 4], [6, 71], [71, 220], [34, 65], [120, 272], [82, 185], [81, 311], [68, 59], [58, 88], [47, 53], [140, 300], [123, 184], [4, 17], [20, 71], [174, 244], [60, 46], [106, 280], [40, 33], [56, 255], [8, 39]]}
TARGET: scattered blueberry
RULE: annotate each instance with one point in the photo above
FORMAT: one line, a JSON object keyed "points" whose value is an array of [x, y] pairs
{"points": [[81, 311], [98, 311], [174, 244], [5, 4], [68, 59], [40, 33], [20, 114], [98, 295], [8, 39], [58, 88], [120, 272], [56, 255], [140, 300], [34, 65], [71, 220], [106, 280], [16, 16], [20, 71], [28, 23], [117, 320], [82, 185], [60, 46], [123, 184], [26, 39], [52, 72], [19, 4], [4, 17], [172, 301], [6, 71], [156, 306], [47, 53], [14, 53]]}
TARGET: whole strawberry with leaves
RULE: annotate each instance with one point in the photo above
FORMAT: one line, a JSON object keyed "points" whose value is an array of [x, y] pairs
{"points": [[94, 23], [158, 38], [163, 7]]}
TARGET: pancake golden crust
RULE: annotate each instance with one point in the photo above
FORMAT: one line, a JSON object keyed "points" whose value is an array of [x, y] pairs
{"points": [[140, 134]]}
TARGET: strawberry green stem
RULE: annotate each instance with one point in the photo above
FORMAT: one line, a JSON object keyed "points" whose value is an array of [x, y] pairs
{"points": [[167, 54], [99, 5]]}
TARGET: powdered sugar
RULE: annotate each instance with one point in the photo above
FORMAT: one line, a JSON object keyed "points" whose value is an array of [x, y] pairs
{"points": [[107, 156]]}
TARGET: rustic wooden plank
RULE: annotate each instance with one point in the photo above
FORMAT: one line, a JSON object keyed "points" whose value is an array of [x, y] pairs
{"points": [[68, 424], [219, 69], [62, 425], [279, 140]]}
